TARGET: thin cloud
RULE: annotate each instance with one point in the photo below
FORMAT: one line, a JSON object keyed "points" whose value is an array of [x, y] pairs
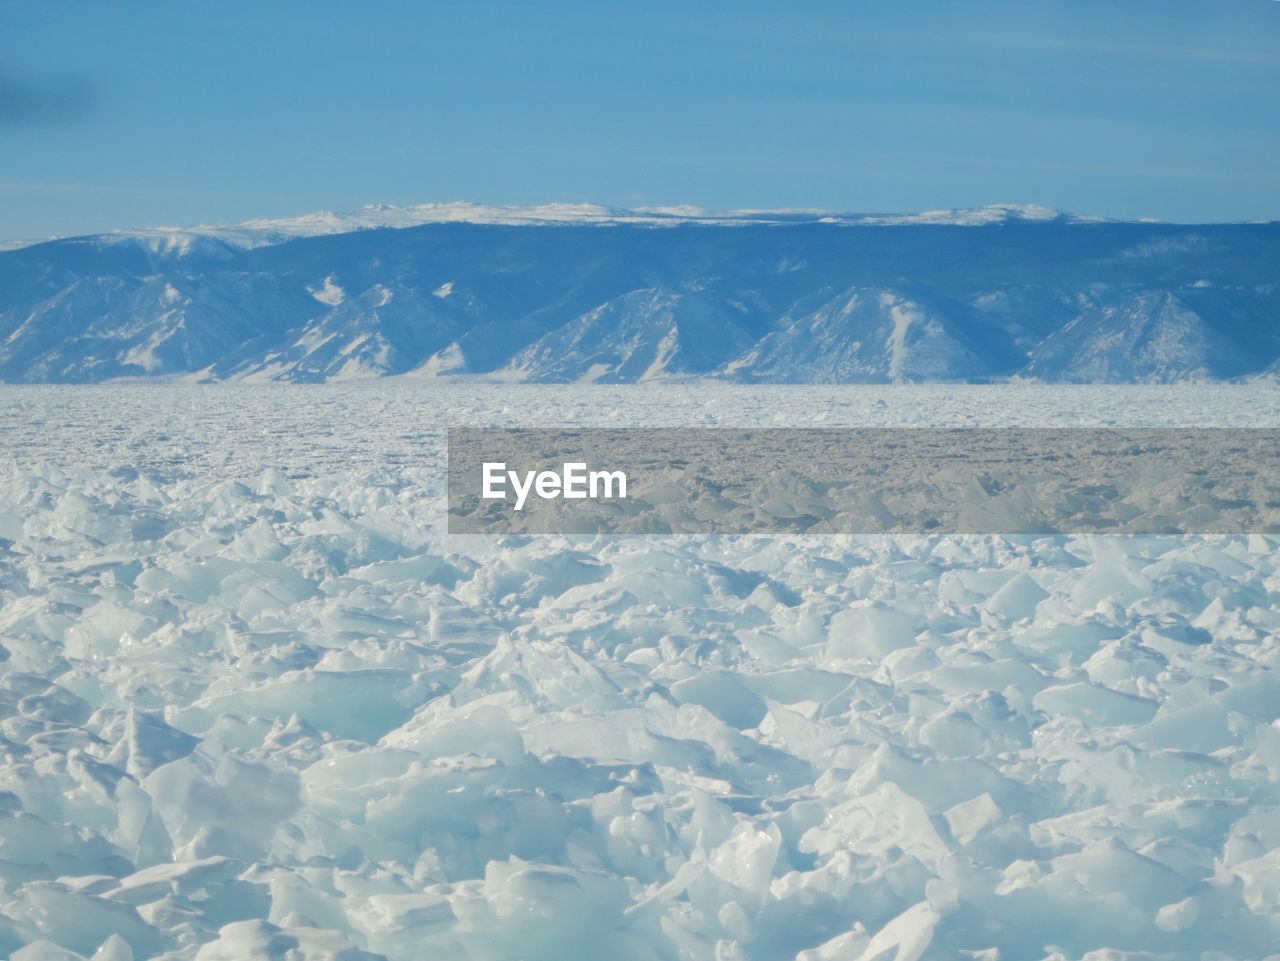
{"points": [[41, 186], [107, 190], [1049, 165], [1129, 49]]}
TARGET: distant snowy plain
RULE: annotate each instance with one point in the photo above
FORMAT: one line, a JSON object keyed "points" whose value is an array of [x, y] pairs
{"points": [[256, 703]]}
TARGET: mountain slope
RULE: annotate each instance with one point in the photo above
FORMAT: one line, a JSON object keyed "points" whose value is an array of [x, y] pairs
{"points": [[644, 335], [863, 336], [1152, 336]]}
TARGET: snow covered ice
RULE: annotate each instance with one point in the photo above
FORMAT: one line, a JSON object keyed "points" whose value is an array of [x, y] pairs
{"points": [[256, 703]]}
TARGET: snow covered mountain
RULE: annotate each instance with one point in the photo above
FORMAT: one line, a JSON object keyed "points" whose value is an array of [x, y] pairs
{"points": [[863, 335], [641, 336], [567, 293]]}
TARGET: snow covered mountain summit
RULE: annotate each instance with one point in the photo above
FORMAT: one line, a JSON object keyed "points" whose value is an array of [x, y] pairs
{"points": [[578, 292]]}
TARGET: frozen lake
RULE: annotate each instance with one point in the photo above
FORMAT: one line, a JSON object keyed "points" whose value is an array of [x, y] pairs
{"points": [[376, 424], [245, 676]]}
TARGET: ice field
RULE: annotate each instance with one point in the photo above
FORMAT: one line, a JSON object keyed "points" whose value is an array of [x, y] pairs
{"points": [[255, 703]]}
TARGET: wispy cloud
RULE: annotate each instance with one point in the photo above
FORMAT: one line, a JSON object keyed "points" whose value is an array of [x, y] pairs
{"points": [[1131, 49], [40, 186], [1103, 168], [108, 190]]}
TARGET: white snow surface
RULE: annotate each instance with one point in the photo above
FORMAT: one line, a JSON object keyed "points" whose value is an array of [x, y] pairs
{"points": [[255, 703], [264, 232]]}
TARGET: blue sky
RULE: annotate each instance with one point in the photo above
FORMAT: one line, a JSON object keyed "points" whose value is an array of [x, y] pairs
{"points": [[131, 114]]}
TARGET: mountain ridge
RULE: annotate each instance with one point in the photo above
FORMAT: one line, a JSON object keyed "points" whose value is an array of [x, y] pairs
{"points": [[568, 293], [269, 231]]}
